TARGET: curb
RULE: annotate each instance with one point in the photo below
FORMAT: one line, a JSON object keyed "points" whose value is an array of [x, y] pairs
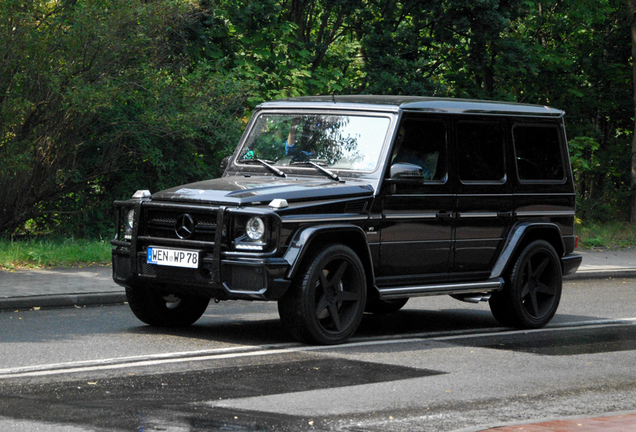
{"points": [[62, 300], [601, 274]]}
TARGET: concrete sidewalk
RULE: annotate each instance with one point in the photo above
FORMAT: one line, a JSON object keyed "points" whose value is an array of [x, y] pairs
{"points": [[58, 287], [603, 263]]}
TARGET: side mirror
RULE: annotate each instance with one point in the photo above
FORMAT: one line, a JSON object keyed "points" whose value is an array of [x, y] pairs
{"points": [[405, 170]]}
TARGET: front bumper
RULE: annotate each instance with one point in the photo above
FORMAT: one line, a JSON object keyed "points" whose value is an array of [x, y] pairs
{"points": [[225, 279], [222, 273]]}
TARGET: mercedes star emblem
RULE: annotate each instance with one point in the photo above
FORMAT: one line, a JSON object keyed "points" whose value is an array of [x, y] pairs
{"points": [[184, 227]]}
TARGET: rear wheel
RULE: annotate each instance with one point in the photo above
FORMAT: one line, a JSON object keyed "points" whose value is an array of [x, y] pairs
{"points": [[533, 288], [326, 302], [161, 309]]}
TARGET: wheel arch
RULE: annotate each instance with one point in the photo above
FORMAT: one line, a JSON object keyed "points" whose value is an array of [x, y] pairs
{"points": [[521, 235], [311, 238]]}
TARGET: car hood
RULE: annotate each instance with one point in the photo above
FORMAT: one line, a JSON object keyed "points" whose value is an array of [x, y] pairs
{"points": [[240, 190]]}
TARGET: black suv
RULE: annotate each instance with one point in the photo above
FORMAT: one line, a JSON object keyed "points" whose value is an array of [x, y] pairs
{"points": [[333, 206]]}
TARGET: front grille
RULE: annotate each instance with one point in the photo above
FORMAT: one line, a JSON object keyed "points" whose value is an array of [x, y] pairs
{"points": [[161, 223], [204, 274], [243, 278]]}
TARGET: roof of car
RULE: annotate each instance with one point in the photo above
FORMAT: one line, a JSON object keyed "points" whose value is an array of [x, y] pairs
{"points": [[414, 103]]}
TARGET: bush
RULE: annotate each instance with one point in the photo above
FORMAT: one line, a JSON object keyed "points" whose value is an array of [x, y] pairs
{"points": [[99, 99]]}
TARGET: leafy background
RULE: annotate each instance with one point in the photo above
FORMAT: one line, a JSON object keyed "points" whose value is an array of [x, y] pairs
{"points": [[99, 98]]}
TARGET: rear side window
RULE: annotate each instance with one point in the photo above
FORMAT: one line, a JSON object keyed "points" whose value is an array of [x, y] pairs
{"points": [[481, 152], [538, 153]]}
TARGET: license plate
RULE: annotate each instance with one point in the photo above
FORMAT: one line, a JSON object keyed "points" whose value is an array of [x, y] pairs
{"points": [[173, 257]]}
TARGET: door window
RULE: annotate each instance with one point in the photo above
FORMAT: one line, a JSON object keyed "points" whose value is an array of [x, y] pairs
{"points": [[480, 152], [420, 151]]}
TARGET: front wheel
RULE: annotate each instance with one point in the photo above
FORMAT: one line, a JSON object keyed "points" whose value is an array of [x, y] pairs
{"points": [[533, 288], [326, 302], [161, 309]]}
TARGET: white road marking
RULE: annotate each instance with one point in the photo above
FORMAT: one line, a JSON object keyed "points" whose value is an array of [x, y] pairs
{"points": [[276, 349]]}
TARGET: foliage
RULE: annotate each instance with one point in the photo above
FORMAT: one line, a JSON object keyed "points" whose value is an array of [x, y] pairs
{"points": [[97, 100], [570, 54], [289, 48], [594, 87], [102, 97]]}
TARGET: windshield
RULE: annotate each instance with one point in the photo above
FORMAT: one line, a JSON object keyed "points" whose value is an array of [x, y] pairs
{"points": [[345, 142]]}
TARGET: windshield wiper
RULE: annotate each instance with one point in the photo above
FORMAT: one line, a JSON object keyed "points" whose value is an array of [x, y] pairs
{"points": [[332, 175], [266, 164]]}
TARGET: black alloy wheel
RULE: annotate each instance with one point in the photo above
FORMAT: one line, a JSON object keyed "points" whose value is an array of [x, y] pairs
{"points": [[160, 309], [326, 302], [533, 288]]}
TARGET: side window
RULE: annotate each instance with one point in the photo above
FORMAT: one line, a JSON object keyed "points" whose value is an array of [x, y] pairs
{"points": [[538, 152], [480, 152], [420, 151]]}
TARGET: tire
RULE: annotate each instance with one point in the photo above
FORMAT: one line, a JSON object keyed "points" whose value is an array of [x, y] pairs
{"points": [[380, 307], [156, 308], [533, 289], [326, 302]]}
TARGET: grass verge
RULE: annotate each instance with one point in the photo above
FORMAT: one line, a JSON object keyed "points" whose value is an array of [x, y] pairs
{"points": [[612, 235], [53, 252]]}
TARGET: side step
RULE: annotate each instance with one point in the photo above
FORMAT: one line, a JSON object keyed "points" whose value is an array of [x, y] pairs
{"points": [[490, 285]]}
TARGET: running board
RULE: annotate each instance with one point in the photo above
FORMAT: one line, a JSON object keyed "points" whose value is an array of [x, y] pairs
{"points": [[436, 289]]}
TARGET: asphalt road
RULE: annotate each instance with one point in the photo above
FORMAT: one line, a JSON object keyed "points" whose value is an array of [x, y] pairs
{"points": [[438, 365]]}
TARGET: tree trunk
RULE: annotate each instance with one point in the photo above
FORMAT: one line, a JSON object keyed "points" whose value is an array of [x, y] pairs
{"points": [[631, 5]]}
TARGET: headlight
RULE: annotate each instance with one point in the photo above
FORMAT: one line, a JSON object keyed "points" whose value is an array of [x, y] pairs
{"points": [[130, 219], [129, 222], [255, 228], [254, 232]]}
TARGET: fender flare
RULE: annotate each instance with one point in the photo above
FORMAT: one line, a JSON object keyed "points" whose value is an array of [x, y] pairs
{"points": [[515, 239], [302, 240]]}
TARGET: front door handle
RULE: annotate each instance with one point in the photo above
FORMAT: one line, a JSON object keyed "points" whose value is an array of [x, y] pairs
{"points": [[443, 214]]}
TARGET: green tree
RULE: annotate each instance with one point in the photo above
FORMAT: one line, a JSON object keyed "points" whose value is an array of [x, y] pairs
{"points": [[287, 48], [399, 48], [581, 55], [99, 98]]}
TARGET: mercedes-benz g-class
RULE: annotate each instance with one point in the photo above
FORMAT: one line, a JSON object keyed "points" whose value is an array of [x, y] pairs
{"points": [[333, 206]]}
